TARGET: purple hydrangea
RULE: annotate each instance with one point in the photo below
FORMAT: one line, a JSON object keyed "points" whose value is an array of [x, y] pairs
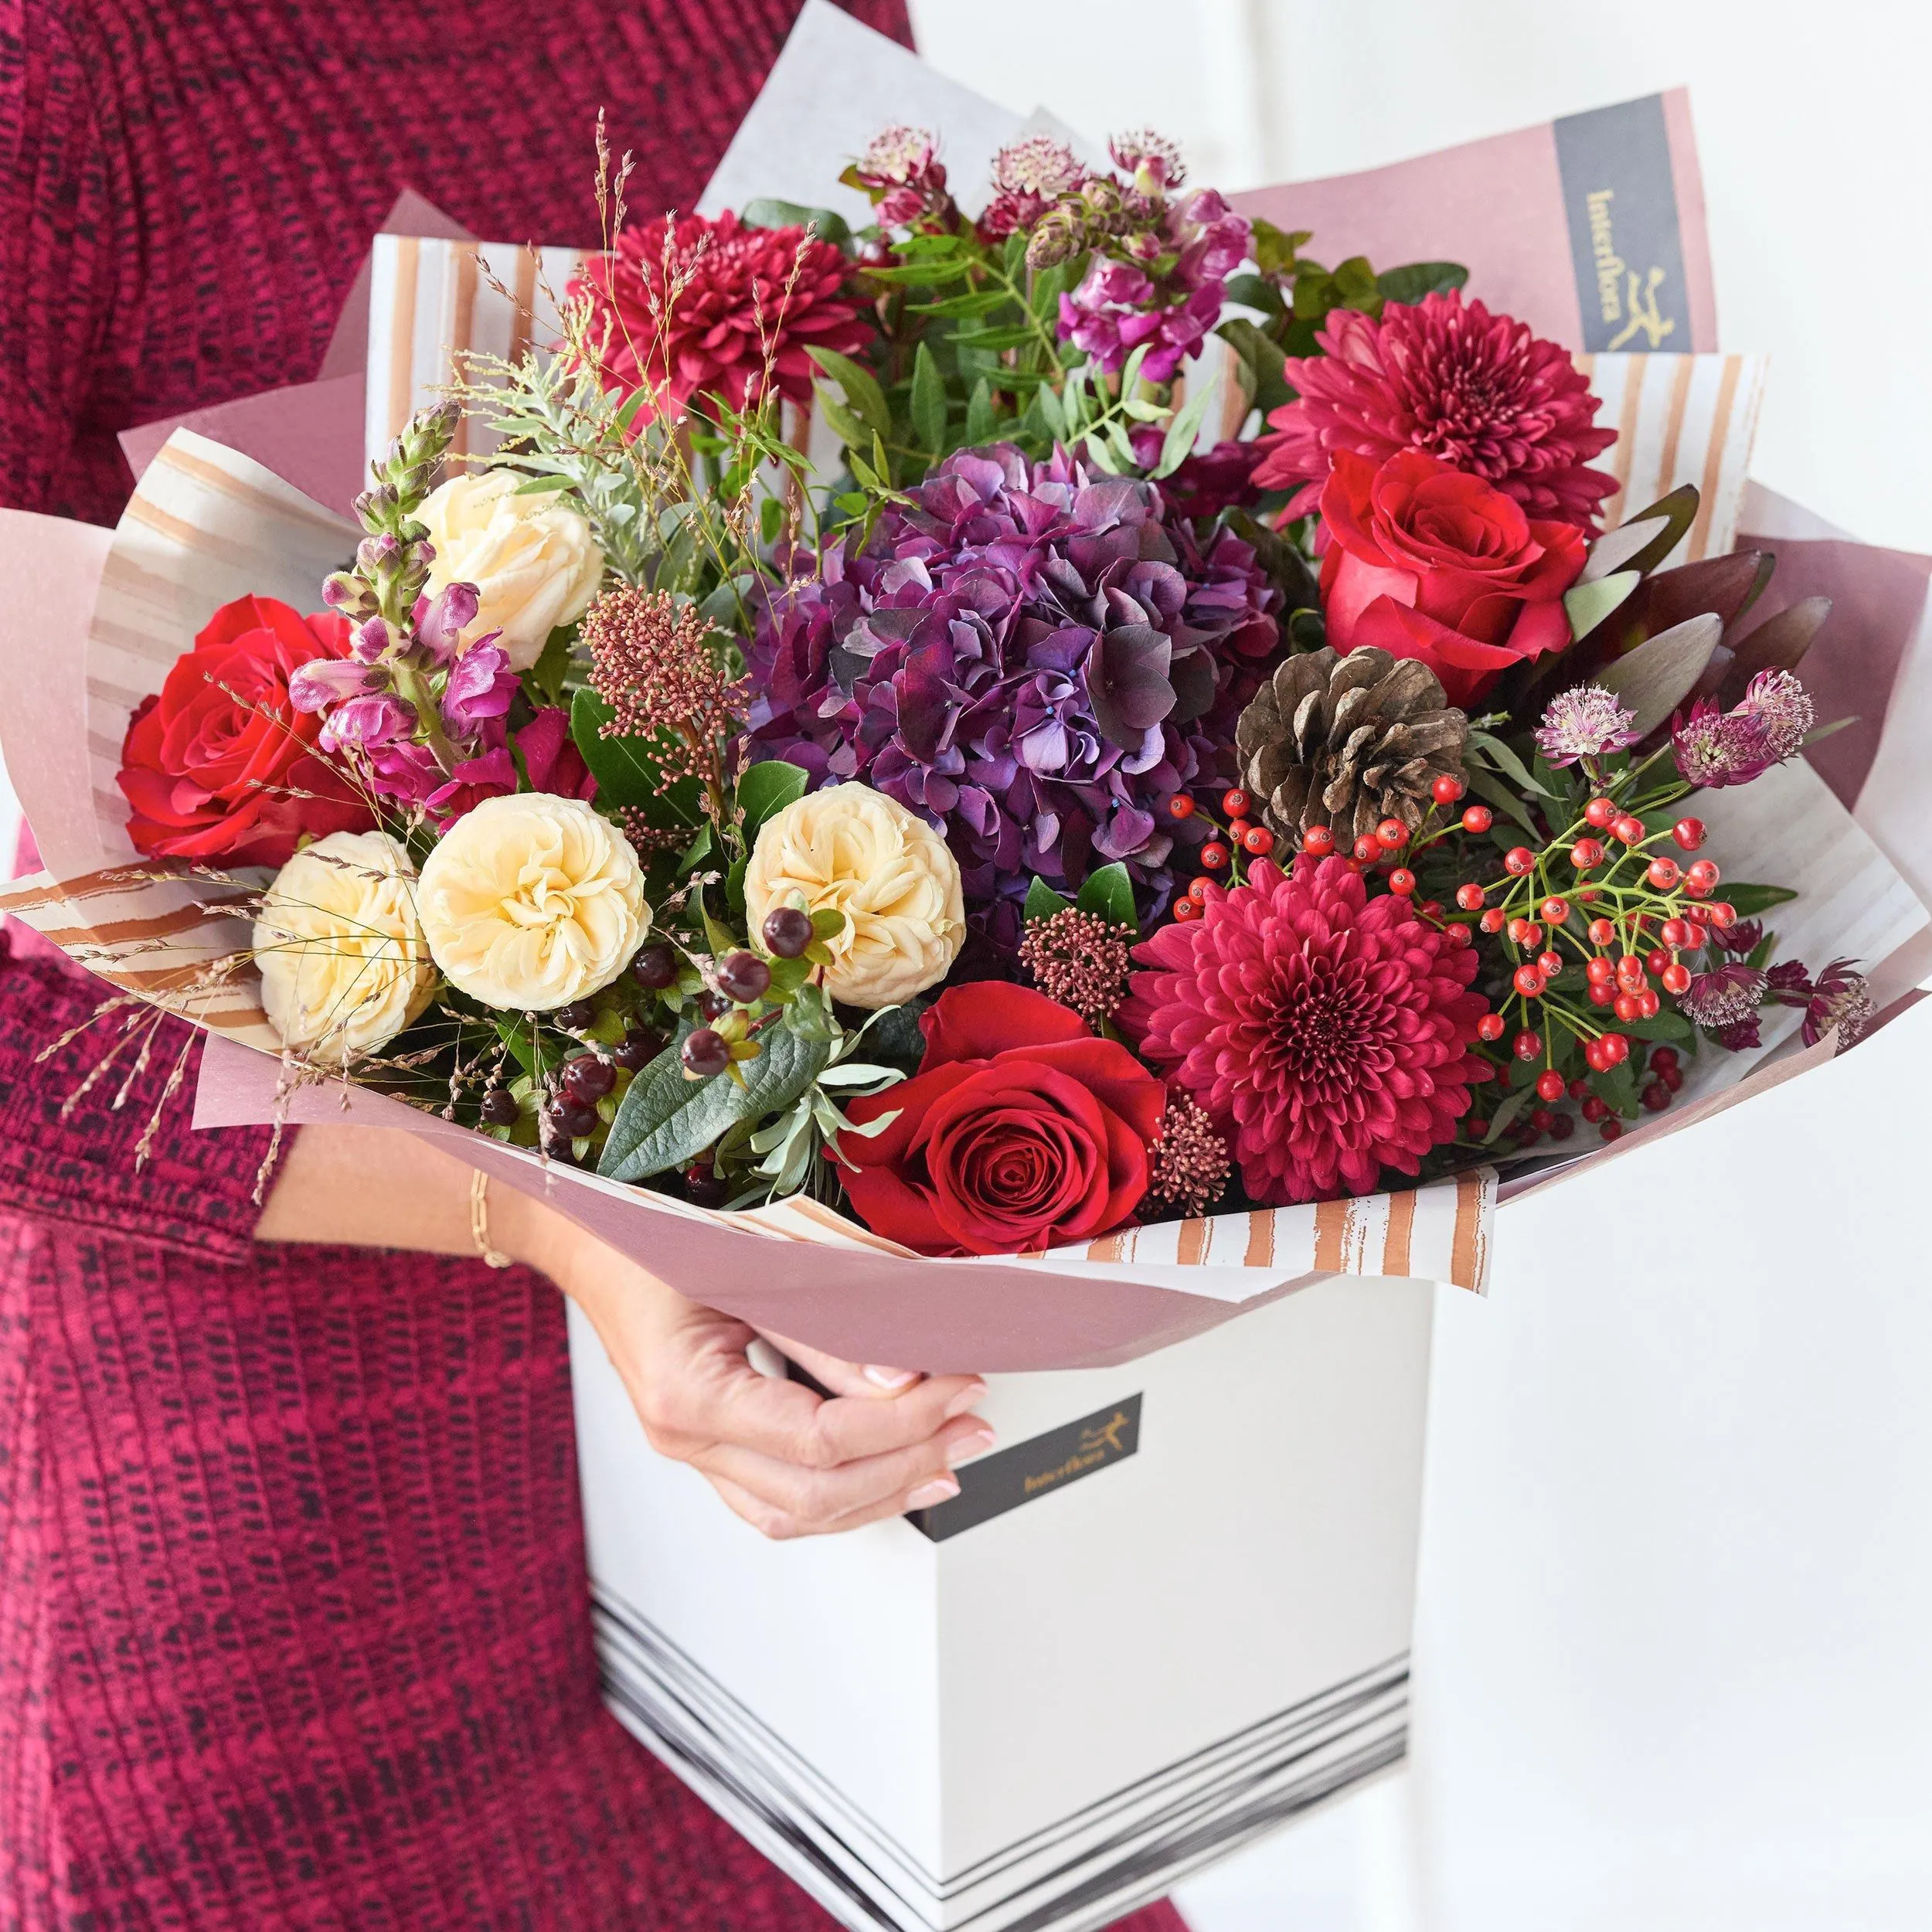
{"points": [[1036, 658]]}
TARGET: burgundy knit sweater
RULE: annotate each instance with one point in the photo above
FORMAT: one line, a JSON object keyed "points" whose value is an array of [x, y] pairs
{"points": [[293, 1627]]}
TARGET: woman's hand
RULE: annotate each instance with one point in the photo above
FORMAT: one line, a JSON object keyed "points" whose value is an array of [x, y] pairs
{"points": [[791, 1462]]}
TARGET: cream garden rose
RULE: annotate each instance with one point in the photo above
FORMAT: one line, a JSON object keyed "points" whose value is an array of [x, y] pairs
{"points": [[891, 875], [344, 965], [532, 560], [530, 902]]}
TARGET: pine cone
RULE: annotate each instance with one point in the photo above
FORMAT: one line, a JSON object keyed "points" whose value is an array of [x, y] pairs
{"points": [[1347, 742]]}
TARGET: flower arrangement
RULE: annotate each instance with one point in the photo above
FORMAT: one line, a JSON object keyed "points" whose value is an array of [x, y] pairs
{"points": [[1038, 826]]}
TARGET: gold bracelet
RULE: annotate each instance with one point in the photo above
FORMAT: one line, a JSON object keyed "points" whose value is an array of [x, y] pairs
{"points": [[479, 1222]]}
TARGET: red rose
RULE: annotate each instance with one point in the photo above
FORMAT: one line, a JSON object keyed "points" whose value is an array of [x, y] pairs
{"points": [[1020, 1131], [221, 765], [1429, 562]]}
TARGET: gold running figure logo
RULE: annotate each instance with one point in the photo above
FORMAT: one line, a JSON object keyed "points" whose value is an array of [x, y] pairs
{"points": [[1108, 1436], [1645, 313]]}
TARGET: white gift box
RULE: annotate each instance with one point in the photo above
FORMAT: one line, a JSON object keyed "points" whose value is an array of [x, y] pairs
{"points": [[1169, 1609]]}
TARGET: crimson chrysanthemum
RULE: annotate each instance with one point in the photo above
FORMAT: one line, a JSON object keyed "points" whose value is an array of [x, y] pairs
{"points": [[694, 307], [1476, 390], [1327, 1035]]}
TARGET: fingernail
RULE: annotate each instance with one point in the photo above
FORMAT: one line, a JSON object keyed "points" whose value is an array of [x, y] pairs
{"points": [[958, 1452], [938, 1490], [965, 1398], [890, 1378]]}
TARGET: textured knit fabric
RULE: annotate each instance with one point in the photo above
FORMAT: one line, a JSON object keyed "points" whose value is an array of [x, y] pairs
{"points": [[293, 1623]]}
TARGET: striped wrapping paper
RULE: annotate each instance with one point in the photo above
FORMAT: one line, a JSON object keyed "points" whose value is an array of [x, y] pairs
{"points": [[1440, 1232], [1680, 419], [431, 300]]}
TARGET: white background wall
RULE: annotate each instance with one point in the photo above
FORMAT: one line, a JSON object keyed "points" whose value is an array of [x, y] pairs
{"points": [[1672, 1669]]}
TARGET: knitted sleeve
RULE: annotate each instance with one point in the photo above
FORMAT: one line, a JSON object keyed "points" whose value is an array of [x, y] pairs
{"points": [[73, 1125]]}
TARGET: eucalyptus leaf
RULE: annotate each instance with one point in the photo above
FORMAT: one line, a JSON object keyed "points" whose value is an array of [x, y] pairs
{"points": [[666, 1119], [1653, 680], [536, 485]]}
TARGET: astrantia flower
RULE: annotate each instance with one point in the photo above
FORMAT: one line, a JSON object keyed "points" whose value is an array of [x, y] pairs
{"points": [[1477, 390], [1716, 748], [1840, 997], [1725, 996], [901, 170], [1327, 1035], [1029, 175], [693, 307], [1587, 722], [1033, 657]]}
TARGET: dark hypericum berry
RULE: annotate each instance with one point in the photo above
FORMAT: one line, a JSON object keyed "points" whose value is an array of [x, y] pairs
{"points": [[1611, 1130], [499, 1107], [577, 1016], [588, 1078], [706, 1052], [568, 1120], [704, 1187], [714, 1005], [1562, 1127], [655, 966], [788, 931], [638, 1049], [1656, 1096], [744, 976]]}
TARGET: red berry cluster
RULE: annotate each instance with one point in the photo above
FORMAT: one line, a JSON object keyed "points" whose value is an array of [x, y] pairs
{"points": [[1228, 851]]}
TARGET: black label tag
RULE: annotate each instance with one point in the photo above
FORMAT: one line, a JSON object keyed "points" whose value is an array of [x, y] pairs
{"points": [[1624, 240], [996, 1484]]}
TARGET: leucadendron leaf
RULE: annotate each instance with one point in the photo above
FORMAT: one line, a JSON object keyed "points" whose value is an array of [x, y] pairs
{"points": [[1660, 673], [666, 1119]]}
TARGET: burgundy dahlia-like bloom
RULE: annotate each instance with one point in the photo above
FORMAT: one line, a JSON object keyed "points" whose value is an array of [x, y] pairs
{"points": [[1716, 748], [692, 307], [1476, 390], [1587, 722], [1034, 657], [1327, 1035]]}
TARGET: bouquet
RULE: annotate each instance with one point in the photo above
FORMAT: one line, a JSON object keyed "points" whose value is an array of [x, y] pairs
{"points": [[1019, 828]]}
